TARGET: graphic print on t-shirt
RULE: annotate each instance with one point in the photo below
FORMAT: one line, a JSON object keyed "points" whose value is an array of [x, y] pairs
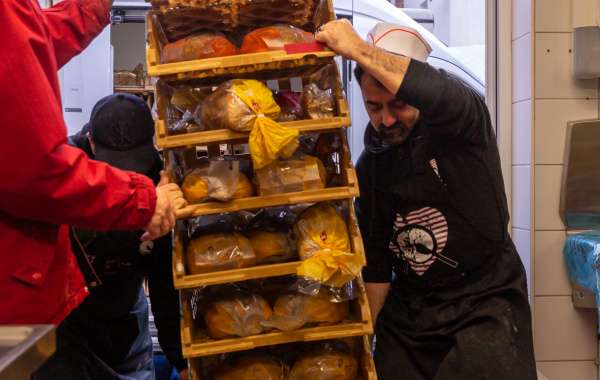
{"points": [[420, 238]]}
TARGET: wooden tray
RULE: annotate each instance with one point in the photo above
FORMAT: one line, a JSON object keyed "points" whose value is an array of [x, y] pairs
{"points": [[183, 280], [229, 65], [181, 18], [366, 365], [350, 190], [166, 139], [194, 345]]}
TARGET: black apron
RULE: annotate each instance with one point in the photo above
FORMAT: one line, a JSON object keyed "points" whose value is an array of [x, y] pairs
{"points": [[458, 306]]}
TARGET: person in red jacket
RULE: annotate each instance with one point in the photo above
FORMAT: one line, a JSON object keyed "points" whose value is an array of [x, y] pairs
{"points": [[46, 184]]}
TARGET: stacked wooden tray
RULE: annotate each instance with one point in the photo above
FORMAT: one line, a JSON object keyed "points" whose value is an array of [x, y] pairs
{"points": [[174, 19]]}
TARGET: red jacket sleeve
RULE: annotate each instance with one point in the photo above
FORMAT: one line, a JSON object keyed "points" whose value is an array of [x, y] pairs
{"points": [[41, 177], [72, 24]]}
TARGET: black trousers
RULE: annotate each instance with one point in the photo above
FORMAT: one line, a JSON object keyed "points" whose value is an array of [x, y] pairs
{"points": [[480, 330]]}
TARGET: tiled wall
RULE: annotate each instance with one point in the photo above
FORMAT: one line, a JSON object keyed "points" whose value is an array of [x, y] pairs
{"points": [[545, 97]]}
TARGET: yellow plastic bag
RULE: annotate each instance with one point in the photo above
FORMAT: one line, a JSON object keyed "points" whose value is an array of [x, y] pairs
{"points": [[324, 246], [331, 267], [268, 140], [248, 106], [321, 227]]}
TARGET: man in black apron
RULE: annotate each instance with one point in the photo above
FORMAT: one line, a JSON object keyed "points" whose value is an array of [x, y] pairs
{"points": [[446, 286]]}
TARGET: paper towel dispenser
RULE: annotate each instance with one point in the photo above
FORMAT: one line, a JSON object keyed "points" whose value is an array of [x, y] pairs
{"points": [[580, 193], [586, 38]]}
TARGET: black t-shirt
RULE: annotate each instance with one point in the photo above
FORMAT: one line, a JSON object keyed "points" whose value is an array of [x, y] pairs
{"points": [[434, 208]]}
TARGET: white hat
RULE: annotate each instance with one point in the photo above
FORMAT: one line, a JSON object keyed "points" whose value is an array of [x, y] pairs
{"points": [[400, 40]]}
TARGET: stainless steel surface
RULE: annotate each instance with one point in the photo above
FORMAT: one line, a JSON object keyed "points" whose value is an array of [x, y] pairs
{"points": [[580, 195], [23, 349]]}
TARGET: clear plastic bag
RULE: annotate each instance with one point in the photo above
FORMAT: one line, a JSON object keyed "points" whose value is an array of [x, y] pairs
{"points": [[311, 287], [249, 106], [294, 175], [253, 367], [272, 247], [219, 223], [218, 252], [222, 180], [274, 38], [294, 311], [201, 46], [290, 104], [237, 316], [187, 106], [317, 103], [328, 361]]}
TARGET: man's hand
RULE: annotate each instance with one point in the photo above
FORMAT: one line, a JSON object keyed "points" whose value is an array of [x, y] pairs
{"points": [[341, 37], [173, 191], [168, 198]]}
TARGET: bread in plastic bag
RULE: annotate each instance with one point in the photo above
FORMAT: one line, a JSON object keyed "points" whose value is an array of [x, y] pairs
{"points": [[195, 187], [274, 38], [217, 252], [271, 247], [222, 181], [200, 46], [294, 311], [293, 175], [249, 106], [237, 316], [324, 246], [317, 103], [253, 367], [325, 364], [320, 227]]}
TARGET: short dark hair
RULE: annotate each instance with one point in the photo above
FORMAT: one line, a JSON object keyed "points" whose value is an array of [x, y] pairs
{"points": [[359, 73]]}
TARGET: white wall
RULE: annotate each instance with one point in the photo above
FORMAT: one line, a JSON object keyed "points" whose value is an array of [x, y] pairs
{"points": [[86, 79], [545, 97]]}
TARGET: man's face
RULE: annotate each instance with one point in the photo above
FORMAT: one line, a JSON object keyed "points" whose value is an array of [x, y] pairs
{"points": [[392, 118]]}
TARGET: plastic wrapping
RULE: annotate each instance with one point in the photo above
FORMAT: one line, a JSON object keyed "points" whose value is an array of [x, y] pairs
{"points": [[318, 228], [272, 247], [311, 287], [324, 246], [325, 363], [294, 311], [221, 181], [253, 367], [187, 101], [237, 316], [217, 252], [582, 258], [195, 187], [317, 103], [328, 149], [201, 46], [294, 175], [274, 38], [332, 268], [248, 105], [290, 104], [218, 223]]}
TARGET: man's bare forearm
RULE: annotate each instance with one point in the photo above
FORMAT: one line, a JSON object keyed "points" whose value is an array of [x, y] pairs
{"points": [[389, 69], [376, 294]]}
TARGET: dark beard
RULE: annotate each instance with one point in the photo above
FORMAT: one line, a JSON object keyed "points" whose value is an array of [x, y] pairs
{"points": [[394, 135]]}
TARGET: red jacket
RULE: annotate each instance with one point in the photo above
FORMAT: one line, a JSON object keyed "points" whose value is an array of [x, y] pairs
{"points": [[46, 185]]}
